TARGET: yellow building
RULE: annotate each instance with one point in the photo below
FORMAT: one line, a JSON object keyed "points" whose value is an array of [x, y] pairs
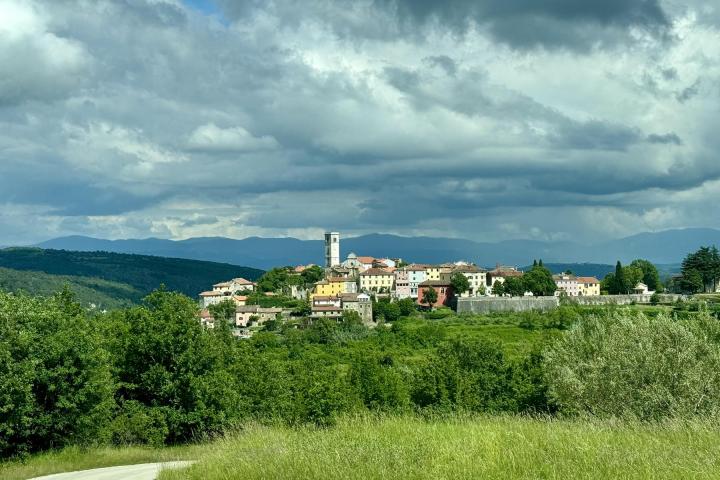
{"points": [[589, 286], [377, 280], [434, 272], [333, 286]]}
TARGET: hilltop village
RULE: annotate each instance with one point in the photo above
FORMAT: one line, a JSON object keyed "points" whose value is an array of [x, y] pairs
{"points": [[355, 285]]}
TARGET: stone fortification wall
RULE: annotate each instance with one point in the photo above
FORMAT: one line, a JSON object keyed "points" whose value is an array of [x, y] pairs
{"points": [[622, 299], [506, 304], [526, 304]]}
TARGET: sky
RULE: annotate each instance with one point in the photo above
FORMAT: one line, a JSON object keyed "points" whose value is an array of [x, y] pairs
{"points": [[487, 120]]}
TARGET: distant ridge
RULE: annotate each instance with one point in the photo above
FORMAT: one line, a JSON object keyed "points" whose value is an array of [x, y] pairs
{"points": [[133, 276], [666, 247]]}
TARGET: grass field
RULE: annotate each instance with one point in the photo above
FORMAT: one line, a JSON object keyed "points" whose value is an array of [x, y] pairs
{"points": [[74, 458], [488, 448]]}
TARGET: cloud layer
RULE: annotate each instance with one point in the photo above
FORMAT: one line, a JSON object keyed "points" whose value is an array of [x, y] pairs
{"points": [[479, 119]]}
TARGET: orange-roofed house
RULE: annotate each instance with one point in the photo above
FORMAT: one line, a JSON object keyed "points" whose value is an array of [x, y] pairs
{"points": [[442, 288], [589, 286]]}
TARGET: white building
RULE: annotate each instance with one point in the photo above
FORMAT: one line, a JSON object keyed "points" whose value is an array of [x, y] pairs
{"points": [[235, 285], [567, 284], [377, 280], [477, 278], [332, 249]]}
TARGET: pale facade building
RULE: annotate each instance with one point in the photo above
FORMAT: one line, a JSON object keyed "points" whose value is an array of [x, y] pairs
{"points": [[254, 314], [567, 284], [589, 286], [377, 280], [235, 285], [477, 278], [500, 274]]}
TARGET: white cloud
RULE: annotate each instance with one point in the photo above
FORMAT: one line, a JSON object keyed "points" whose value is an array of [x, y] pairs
{"points": [[212, 138], [36, 64], [147, 117]]}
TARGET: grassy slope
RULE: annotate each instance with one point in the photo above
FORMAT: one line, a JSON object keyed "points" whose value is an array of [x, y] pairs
{"points": [[141, 272], [73, 459], [102, 293], [489, 448]]}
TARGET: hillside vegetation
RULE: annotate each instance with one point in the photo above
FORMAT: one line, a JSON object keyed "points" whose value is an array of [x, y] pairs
{"points": [[125, 278], [88, 290]]}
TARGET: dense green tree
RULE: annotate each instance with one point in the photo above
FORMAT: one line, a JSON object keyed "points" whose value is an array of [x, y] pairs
{"points": [[379, 386], [498, 288], [56, 386], [706, 262], [465, 375], [633, 275], [650, 275], [514, 286], [167, 361], [430, 297], [407, 307], [619, 285], [223, 311], [387, 310], [692, 282], [303, 309], [460, 283], [274, 280], [539, 281], [312, 274]]}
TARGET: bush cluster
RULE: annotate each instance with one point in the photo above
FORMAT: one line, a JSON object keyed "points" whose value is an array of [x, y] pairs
{"points": [[152, 375]]}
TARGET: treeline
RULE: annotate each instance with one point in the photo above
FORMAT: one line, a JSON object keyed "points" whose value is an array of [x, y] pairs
{"points": [[152, 375], [89, 291], [626, 278], [143, 273], [700, 272]]}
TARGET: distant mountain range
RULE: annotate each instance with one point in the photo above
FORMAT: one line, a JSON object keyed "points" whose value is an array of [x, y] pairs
{"points": [[666, 247]]}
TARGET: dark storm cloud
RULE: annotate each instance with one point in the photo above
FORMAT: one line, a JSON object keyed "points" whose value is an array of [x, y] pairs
{"points": [[665, 139], [595, 135], [523, 24], [156, 119]]}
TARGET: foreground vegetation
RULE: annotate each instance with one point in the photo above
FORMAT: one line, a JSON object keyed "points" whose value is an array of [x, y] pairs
{"points": [[488, 447], [73, 459], [151, 375]]}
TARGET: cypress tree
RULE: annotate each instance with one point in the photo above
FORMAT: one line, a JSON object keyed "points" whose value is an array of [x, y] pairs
{"points": [[620, 286]]}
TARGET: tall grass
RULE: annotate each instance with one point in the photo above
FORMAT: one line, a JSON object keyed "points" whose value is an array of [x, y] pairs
{"points": [[486, 447], [74, 458]]}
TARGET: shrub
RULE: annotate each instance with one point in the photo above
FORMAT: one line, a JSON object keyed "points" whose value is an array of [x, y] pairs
{"points": [[167, 360], [136, 423], [465, 375], [628, 365], [56, 387]]}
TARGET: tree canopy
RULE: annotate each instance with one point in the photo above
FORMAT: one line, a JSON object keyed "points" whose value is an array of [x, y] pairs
{"points": [[460, 283], [705, 264]]}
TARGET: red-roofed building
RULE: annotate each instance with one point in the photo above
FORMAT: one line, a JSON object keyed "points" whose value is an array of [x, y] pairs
{"points": [[443, 289]]}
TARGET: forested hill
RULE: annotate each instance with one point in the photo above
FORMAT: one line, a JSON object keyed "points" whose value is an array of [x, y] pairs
{"points": [[88, 291], [132, 276]]}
